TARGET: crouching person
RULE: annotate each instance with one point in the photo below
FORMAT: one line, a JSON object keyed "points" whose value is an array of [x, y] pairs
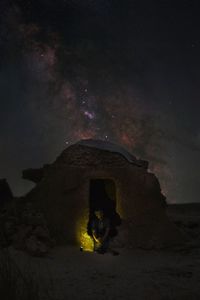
{"points": [[101, 233]]}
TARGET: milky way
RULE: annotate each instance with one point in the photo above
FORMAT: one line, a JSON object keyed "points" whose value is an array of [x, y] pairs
{"points": [[91, 77]]}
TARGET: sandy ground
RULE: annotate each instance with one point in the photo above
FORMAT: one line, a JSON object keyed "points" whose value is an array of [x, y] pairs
{"points": [[134, 274], [137, 274]]}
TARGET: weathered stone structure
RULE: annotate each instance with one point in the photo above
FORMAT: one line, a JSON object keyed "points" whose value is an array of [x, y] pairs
{"points": [[63, 195]]}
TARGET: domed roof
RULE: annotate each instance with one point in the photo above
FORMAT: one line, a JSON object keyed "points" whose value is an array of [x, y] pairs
{"points": [[114, 148], [108, 146]]}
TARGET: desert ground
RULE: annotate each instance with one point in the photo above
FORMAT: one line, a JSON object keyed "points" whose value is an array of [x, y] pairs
{"points": [[67, 273]]}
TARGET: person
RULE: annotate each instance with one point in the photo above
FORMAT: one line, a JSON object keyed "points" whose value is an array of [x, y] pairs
{"points": [[100, 232]]}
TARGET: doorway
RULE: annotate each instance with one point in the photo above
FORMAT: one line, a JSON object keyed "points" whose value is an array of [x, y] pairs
{"points": [[102, 196]]}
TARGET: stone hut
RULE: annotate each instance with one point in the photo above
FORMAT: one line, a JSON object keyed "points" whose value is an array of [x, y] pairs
{"points": [[69, 189]]}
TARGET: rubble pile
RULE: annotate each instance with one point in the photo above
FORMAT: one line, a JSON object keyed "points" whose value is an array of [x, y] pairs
{"points": [[25, 230]]}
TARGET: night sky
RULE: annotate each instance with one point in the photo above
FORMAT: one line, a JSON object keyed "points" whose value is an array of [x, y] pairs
{"points": [[123, 71]]}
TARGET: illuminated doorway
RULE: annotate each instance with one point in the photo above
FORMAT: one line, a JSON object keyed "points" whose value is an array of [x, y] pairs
{"points": [[102, 196]]}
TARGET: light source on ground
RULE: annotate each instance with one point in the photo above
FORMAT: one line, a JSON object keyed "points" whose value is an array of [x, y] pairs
{"points": [[83, 239]]}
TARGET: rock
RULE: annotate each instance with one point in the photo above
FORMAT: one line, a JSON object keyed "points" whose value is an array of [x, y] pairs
{"points": [[34, 175], [19, 238], [9, 228], [5, 192], [42, 233], [25, 229], [34, 219], [35, 247]]}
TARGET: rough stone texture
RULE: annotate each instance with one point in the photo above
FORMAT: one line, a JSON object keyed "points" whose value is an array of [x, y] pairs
{"points": [[34, 175], [25, 229], [35, 247], [63, 196], [113, 148], [19, 238]]}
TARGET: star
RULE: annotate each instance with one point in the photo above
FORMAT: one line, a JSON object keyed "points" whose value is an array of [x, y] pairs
{"points": [[89, 115]]}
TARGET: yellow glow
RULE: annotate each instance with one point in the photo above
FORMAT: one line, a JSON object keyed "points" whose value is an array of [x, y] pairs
{"points": [[84, 240]]}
